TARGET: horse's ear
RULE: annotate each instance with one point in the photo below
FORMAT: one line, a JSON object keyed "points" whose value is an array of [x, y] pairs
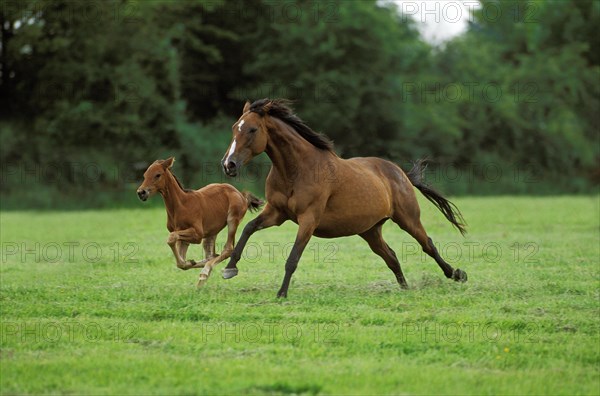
{"points": [[168, 163], [246, 107], [267, 107]]}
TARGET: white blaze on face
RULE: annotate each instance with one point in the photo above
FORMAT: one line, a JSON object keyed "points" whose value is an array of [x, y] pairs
{"points": [[230, 153], [232, 148]]}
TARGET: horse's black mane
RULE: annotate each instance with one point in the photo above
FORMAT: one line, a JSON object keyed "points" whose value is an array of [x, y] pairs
{"points": [[279, 108]]}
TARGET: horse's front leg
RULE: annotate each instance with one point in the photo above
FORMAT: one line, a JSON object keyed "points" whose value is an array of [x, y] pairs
{"points": [[177, 240], [307, 223], [267, 218]]}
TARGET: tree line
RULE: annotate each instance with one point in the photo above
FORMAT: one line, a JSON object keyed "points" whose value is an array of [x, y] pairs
{"points": [[119, 83]]}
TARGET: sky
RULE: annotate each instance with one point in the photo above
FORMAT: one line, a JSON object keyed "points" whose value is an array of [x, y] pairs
{"points": [[438, 20]]}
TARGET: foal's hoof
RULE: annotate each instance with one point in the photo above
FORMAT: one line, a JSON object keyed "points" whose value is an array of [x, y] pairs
{"points": [[229, 273], [191, 263], [200, 264], [201, 281], [459, 275]]}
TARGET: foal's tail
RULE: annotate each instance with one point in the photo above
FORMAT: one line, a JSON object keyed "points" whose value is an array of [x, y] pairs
{"points": [[254, 203], [415, 175]]}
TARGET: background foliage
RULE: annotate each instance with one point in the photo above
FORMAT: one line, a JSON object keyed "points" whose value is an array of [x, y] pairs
{"points": [[91, 92]]}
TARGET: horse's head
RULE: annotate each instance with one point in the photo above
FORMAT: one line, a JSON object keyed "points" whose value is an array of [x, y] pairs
{"points": [[154, 178], [249, 139]]}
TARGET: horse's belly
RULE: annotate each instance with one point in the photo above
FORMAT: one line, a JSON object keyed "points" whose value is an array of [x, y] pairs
{"points": [[354, 212], [333, 226]]}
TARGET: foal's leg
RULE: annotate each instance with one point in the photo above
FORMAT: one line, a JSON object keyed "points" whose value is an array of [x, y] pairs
{"points": [[379, 247], [267, 218], [232, 225], [183, 248], [209, 248], [177, 239], [209, 252], [417, 231]]}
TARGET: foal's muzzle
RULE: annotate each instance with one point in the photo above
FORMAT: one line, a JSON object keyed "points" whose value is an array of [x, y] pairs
{"points": [[142, 194]]}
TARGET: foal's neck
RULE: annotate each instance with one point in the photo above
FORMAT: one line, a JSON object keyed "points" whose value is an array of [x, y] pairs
{"points": [[173, 194]]}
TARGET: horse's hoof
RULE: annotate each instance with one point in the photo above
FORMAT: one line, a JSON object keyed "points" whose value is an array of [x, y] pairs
{"points": [[459, 275], [282, 294], [229, 273]]}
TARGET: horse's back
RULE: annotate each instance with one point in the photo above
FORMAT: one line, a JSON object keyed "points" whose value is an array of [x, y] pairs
{"points": [[377, 174], [402, 192]]}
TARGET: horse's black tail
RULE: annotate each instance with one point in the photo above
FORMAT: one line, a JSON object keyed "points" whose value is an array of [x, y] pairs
{"points": [[415, 175], [254, 203]]}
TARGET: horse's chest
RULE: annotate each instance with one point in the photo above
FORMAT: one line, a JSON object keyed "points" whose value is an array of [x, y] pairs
{"points": [[291, 208], [284, 202]]}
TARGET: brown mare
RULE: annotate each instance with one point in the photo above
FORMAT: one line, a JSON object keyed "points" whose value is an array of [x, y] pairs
{"points": [[328, 196], [195, 216]]}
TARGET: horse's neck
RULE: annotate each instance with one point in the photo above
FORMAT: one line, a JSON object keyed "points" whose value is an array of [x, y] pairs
{"points": [[173, 195], [288, 151]]}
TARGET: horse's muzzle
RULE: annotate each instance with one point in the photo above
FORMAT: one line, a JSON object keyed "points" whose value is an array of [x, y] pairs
{"points": [[230, 168]]}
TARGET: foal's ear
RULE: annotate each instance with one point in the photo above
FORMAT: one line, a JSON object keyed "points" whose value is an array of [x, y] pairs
{"points": [[168, 163], [246, 107]]}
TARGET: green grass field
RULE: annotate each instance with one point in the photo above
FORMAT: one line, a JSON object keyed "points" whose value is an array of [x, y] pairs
{"points": [[92, 303]]}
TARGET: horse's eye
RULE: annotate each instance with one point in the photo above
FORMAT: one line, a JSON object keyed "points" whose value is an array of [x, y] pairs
{"points": [[157, 176], [252, 130]]}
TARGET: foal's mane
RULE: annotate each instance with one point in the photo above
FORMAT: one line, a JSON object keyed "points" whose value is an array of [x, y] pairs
{"points": [[179, 183], [280, 108]]}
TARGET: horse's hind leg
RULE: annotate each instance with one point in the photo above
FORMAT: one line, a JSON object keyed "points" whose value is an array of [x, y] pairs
{"points": [[378, 246], [417, 231]]}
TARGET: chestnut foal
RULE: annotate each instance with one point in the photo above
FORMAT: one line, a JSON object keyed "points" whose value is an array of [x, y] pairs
{"points": [[195, 216]]}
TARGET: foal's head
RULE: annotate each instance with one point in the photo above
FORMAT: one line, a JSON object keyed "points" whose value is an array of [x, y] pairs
{"points": [[249, 140], [154, 178]]}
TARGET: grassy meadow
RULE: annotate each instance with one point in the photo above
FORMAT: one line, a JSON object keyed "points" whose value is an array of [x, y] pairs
{"points": [[92, 302]]}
